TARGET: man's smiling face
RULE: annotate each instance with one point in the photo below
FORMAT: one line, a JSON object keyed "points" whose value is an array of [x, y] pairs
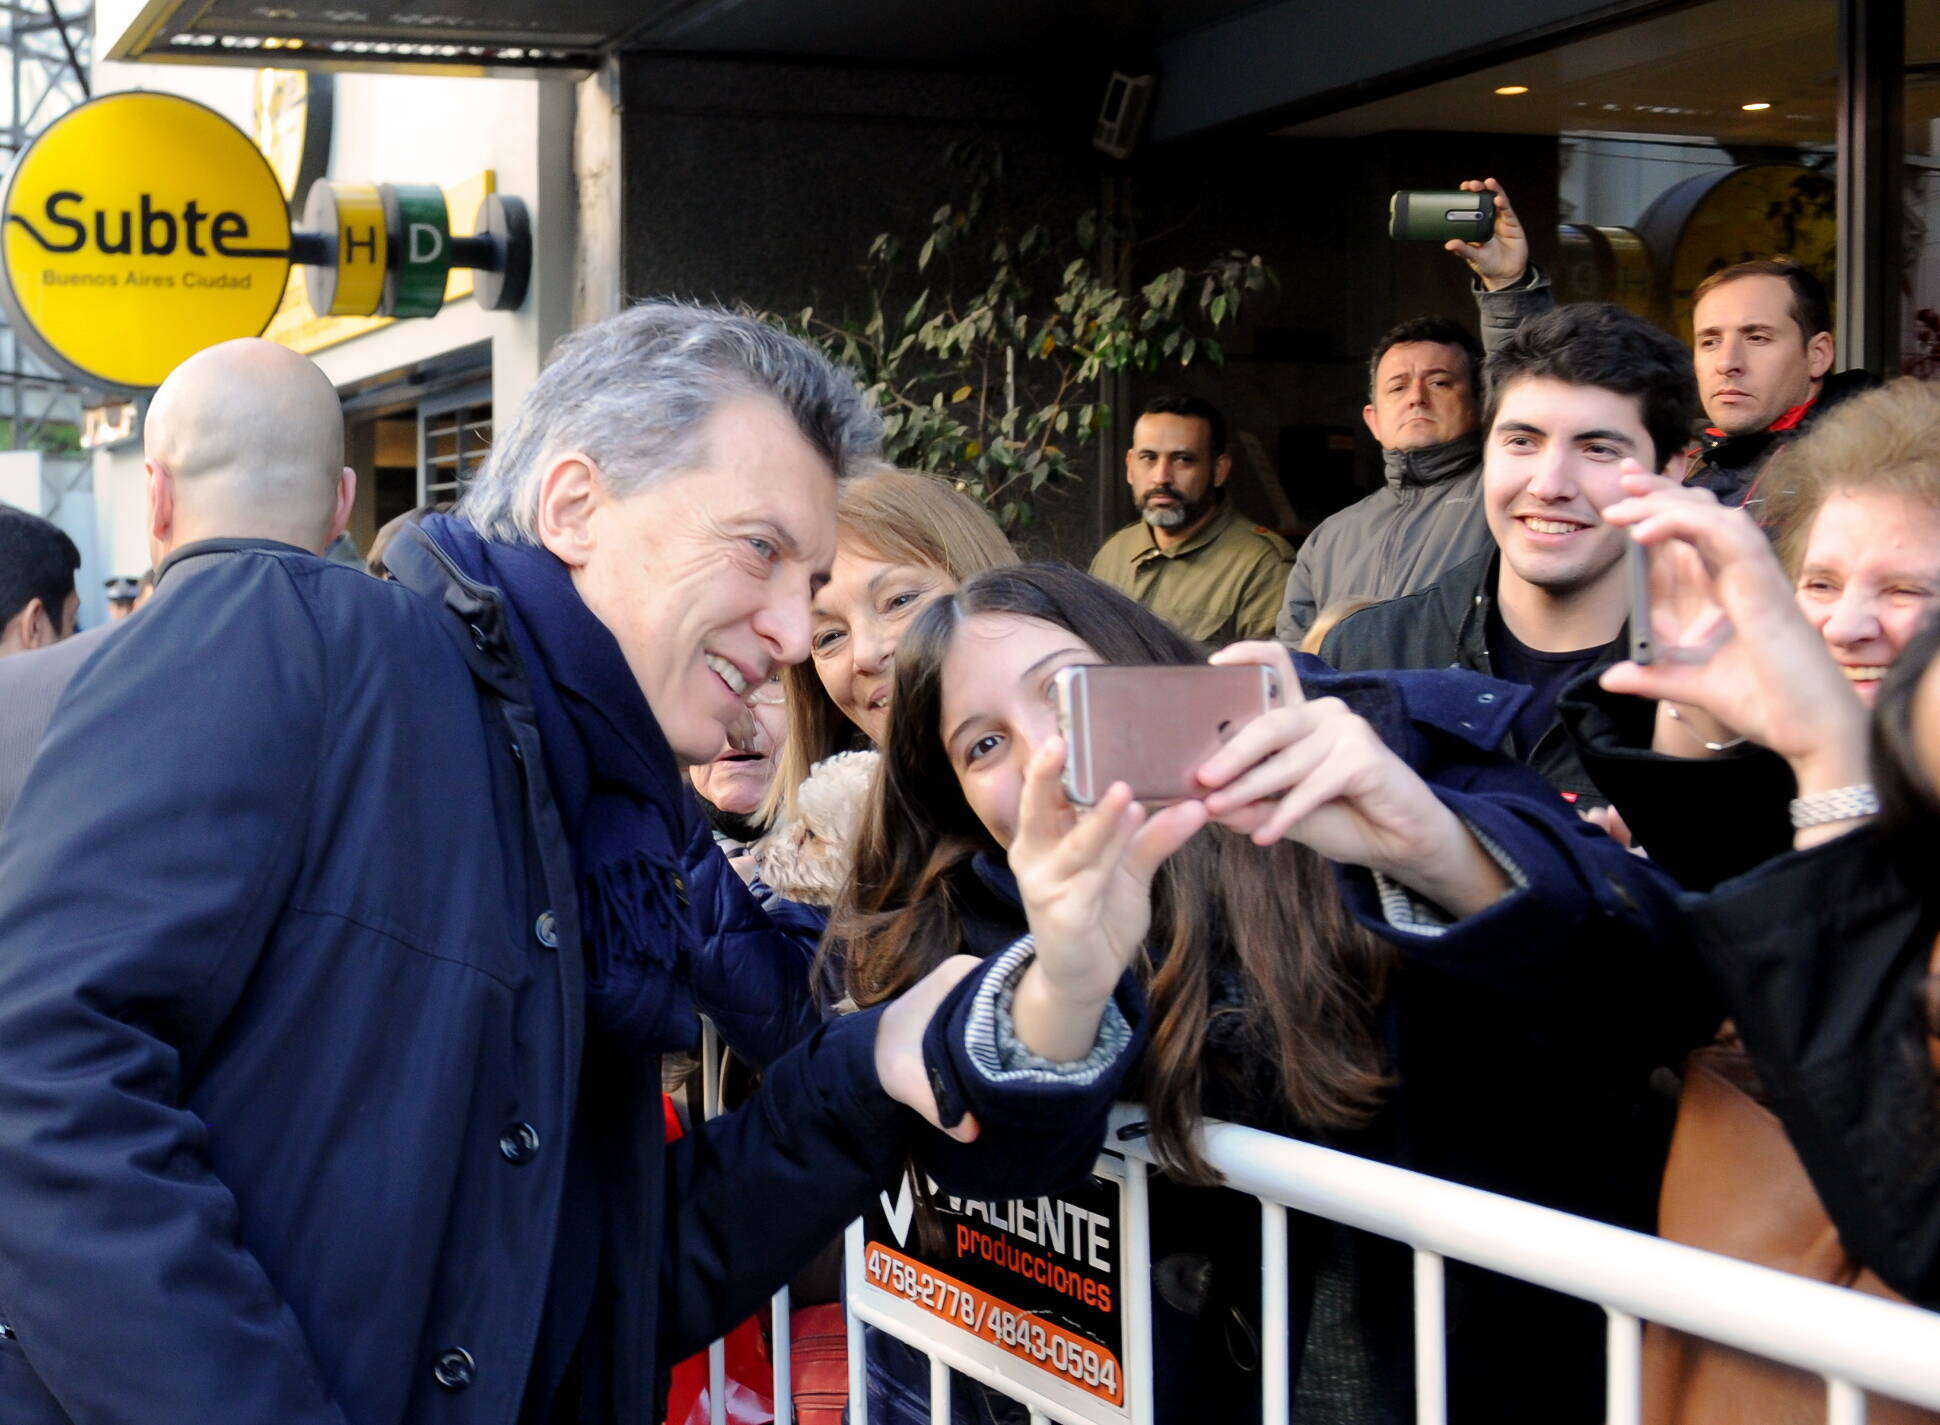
{"points": [[1549, 467], [704, 577]]}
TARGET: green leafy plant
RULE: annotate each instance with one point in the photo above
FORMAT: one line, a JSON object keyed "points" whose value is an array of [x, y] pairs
{"points": [[983, 342]]}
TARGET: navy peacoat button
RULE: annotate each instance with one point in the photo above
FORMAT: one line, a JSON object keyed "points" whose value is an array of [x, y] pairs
{"points": [[546, 927], [519, 1143], [453, 1368]]}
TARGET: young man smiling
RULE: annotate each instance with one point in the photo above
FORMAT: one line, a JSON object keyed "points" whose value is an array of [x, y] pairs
{"points": [[1572, 396]]}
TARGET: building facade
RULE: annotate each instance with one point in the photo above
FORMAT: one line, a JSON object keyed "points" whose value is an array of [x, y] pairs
{"points": [[751, 152]]}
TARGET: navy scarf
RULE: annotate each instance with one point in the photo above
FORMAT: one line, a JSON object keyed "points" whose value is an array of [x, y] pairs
{"points": [[617, 787]]}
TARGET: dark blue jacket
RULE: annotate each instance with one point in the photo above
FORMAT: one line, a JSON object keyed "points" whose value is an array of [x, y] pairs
{"points": [[292, 1043], [752, 960]]}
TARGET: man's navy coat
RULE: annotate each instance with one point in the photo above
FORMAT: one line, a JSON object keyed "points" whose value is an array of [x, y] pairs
{"points": [[292, 1042]]}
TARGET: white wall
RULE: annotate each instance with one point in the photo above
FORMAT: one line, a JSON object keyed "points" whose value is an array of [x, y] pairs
{"points": [[20, 481], [410, 129]]}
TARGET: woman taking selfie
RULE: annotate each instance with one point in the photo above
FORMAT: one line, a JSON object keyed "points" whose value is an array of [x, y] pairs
{"points": [[1855, 514], [1379, 942]]}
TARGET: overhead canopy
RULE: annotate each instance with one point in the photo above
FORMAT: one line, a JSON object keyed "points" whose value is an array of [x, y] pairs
{"points": [[461, 35], [1251, 63], [536, 35]]}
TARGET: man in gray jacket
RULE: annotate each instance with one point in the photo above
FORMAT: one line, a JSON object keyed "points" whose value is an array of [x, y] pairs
{"points": [[243, 444], [1423, 401]]}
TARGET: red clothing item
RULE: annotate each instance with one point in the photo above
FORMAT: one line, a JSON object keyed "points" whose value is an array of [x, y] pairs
{"points": [[1785, 422]]}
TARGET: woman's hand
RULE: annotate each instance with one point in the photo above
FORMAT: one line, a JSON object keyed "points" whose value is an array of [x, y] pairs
{"points": [[1086, 881], [1733, 652], [1315, 772]]}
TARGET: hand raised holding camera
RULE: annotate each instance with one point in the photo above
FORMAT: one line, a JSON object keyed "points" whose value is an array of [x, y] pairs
{"points": [[1317, 773], [1086, 882], [1733, 645], [1502, 260]]}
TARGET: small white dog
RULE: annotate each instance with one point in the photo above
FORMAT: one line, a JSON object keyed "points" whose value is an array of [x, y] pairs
{"points": [[807, 856]]}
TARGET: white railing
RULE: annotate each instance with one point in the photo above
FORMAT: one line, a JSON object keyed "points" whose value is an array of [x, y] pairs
{"points": [[1856, 1343]]}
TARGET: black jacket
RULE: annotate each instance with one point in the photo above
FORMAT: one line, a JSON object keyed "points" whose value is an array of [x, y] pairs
{"points": [[1704, 820], [1729, 466], [1823, 956], [1446, 626], [299, 1108]]}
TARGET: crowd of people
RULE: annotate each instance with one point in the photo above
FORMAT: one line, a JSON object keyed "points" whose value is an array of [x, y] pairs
{"points": [[346, 922]]}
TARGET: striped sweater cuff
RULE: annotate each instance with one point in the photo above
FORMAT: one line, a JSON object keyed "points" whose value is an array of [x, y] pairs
{"points": [[1002, 1058], [1404, 910]]}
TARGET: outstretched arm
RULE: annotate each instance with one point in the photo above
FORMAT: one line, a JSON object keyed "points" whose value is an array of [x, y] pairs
{"points": [[837, 1117]]}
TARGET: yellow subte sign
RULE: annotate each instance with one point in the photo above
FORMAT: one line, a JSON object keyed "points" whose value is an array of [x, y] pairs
{"points": [[138, 229]]}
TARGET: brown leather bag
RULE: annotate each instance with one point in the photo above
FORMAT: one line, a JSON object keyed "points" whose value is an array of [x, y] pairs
{"points": [[1733, 1185]]}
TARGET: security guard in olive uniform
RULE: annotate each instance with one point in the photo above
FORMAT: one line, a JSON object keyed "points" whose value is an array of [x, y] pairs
{"points": [[1191, 559]]}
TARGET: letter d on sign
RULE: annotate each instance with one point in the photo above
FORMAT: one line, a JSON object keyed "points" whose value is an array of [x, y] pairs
{"points": [[426, 244]]}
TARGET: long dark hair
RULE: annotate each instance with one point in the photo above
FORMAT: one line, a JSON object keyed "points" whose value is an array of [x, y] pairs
{"points": [[1269, 919]]}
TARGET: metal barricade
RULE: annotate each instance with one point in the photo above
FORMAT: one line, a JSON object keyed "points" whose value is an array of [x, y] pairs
{"points": [[1856, 1343], [779, 1304]]}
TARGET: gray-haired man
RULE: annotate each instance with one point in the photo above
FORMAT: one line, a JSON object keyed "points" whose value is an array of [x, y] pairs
{"points": [[333, 985]]}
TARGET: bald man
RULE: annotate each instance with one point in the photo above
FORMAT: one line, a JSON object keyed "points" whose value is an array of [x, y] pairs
{"points": [[244, 446]]}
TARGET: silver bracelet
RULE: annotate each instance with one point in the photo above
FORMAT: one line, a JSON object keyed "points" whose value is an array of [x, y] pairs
{"points": [[1839, 804], [1677, 716]]}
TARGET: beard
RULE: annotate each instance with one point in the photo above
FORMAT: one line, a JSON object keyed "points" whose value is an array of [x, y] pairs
{"points": [[1173, 516]]}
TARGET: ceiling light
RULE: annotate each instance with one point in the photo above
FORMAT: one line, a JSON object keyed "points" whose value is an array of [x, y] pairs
{"points": [[1755, 106], [1513, 89]]}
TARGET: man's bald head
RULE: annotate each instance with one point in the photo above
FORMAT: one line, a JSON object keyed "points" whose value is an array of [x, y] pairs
{"points": [[251, 438]]}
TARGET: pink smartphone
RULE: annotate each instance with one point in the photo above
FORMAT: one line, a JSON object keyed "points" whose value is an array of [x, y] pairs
{"points": [[1153, 727]]}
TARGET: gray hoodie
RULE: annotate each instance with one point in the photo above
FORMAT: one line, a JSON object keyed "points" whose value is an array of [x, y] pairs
{"points": [[1425, 519]]}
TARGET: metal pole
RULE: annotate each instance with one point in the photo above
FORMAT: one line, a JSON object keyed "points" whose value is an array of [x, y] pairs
{"points": [[852, 1270], [1275, 1330], [782, 1338], [1845, 1404], [1431, 1344], [1624, 1388], [1137, 1365], [1872, 62], [939, 1392]]}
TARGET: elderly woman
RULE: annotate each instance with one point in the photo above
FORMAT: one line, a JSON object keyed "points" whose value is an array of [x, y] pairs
{"points": [[1808, 1134], [1856, 519]]}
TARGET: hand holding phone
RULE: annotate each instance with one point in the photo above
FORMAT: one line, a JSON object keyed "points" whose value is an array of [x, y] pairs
{"points": [[1728, 641], [1085, 879], [1502, 258]]}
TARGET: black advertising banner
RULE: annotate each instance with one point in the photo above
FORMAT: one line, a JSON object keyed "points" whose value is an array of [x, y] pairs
{"points": [[1038, 1281]]}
